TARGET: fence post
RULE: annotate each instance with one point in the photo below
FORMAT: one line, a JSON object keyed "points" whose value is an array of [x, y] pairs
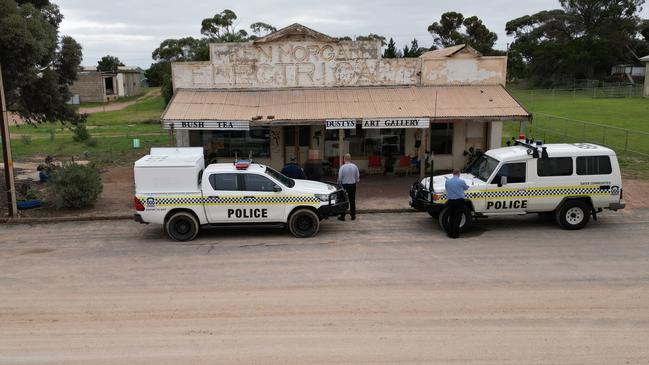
{"points": [[626, 141], [565, 128]]}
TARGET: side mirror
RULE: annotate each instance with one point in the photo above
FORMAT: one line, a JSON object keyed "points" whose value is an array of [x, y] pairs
{"points": [[276, 188], [503, 181]]}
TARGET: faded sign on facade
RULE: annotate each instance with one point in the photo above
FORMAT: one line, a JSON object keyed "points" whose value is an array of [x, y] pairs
{"points": [[296, 64], [297, 57]]}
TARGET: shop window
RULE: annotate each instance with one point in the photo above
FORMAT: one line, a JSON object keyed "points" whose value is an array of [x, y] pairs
{"points": [[371, 142], [442, 138], [237, 143]]}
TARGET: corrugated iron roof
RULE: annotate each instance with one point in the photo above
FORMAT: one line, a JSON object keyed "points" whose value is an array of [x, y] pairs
{"points": [[491, 102], [448, 51]]}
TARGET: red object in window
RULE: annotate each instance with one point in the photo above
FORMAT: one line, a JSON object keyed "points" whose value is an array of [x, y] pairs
{"points": [[138, 204], [335, 162], [405, 161], [374, 161]]}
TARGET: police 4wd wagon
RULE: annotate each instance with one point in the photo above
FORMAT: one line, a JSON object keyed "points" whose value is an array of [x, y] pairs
{"points": [[175, 189], [571, 182]]}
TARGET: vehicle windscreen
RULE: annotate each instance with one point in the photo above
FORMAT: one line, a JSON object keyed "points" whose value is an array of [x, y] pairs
{"points": [[287, 181], [483, 167]]}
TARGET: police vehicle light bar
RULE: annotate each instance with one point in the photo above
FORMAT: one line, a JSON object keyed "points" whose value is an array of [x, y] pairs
{"points": [[242, 164]]}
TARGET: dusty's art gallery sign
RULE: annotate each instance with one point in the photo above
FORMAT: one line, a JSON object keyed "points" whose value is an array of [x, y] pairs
{"points": [[396, 123]]}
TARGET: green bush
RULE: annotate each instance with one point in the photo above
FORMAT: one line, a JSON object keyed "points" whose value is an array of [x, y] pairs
{"points": [[80, 133], [75, 186]]}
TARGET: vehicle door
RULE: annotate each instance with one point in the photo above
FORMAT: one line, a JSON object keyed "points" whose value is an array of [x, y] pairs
{"points": [[506, 193], [552, 180], [222, 193], [264, 198]]}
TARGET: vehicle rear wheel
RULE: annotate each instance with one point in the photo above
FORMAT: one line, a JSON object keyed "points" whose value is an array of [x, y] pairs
{"points": [[465, 222], [304, 223], [182, 226], [573, 214]]}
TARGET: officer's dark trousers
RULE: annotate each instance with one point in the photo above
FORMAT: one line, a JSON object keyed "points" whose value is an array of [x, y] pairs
{"points": [[351, 194], [455, 210]]}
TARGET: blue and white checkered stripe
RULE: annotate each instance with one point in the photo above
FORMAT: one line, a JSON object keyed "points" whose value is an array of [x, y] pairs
{"points": [[530, 193], [227, 200]]}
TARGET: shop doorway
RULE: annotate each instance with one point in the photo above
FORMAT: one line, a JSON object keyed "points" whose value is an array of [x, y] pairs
{"points": [[297, 141]]}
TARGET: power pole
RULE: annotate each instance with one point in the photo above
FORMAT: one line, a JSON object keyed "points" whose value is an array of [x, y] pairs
{"points": [[10, 184]]}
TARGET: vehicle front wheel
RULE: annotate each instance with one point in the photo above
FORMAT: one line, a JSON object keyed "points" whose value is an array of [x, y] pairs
{"points": [[573, 215], [304, 223], [465, 222], [182, 226]]}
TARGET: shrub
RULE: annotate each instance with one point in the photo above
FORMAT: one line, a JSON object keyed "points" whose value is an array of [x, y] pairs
{"points": [[80, 133], [75, 186], [91, 142]]}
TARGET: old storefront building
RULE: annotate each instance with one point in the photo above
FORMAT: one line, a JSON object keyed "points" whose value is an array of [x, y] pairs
{"points": [[300, 93]]}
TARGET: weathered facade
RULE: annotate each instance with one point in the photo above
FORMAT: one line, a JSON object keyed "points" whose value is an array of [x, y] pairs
{"points": [[300, 93]]}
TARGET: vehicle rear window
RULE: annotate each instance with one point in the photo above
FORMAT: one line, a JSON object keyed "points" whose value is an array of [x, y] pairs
{"points": [[515, 173], [594, 165], [554, 166], [224, 182]]}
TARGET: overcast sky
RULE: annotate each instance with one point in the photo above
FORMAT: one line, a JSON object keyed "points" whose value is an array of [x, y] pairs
{"points": [[131, 30]]}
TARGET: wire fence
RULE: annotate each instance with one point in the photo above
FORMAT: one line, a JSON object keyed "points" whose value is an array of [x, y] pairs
{"points": [[530, 97], [553, 129]]}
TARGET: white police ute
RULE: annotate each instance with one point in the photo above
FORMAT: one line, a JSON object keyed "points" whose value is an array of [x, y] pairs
{"points": [[570, 182], [175, 189]]}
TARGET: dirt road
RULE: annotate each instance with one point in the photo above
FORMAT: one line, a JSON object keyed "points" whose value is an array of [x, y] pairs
{"points": [[386, 289]]}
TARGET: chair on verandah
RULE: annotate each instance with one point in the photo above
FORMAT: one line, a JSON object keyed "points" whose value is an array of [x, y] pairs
{"points": [[405, 166], [374, 165], [334, 165]]}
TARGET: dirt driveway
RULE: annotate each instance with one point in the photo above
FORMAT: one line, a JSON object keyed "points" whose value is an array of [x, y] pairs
{"points": [[385, 289]]}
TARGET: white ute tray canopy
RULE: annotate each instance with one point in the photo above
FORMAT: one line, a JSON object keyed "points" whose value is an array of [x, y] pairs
{"points": [[167, 170]]}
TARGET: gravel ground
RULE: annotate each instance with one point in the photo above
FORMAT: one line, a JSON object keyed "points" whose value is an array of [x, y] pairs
{"points": [[387, 288]]}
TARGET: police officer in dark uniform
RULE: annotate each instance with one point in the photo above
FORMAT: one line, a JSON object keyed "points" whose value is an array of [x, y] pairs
{"points": [[293, 170]]}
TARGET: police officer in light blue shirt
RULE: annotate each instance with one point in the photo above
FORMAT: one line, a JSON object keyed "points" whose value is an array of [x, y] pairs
{"points": [[455, 188]]}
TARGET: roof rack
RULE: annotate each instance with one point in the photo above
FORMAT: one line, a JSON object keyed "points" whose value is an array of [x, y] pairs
{"points": [[532, 147]]}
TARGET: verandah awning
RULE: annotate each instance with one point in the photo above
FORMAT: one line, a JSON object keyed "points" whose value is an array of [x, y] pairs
{"points": [[307, 106]]}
